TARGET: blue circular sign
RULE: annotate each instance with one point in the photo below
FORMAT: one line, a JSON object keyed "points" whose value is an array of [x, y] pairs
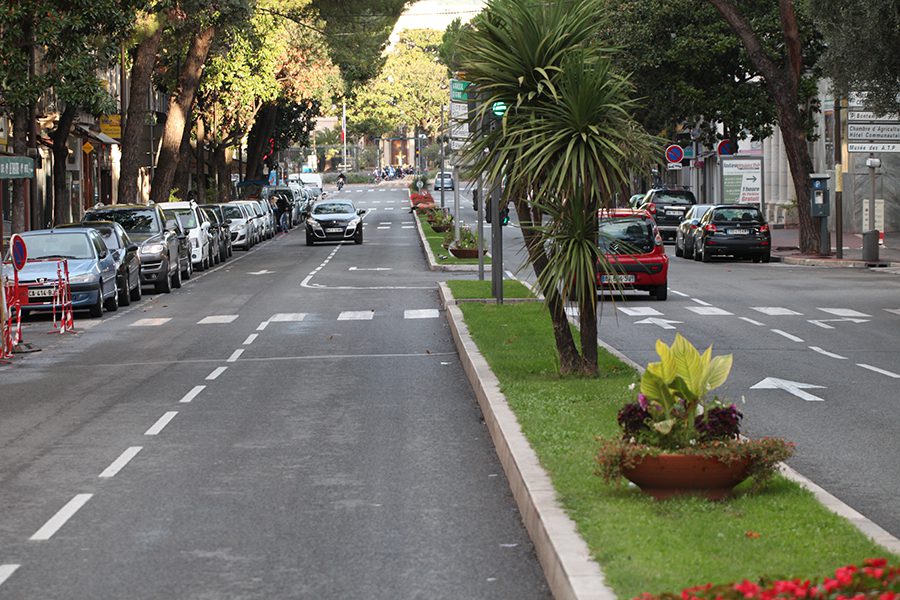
{"points": [[723, 148], [19, 251], [674, 153]]}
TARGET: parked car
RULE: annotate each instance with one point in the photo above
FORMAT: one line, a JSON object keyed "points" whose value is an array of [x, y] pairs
{"points": [[267, 217], [224, 222], [667, 206], [686, 234], [257, 221], [124, 253], [240, 225], [738, 230], [334, 221], [443, 181], [633, 247], [92, 269], [163, 248], [220, 233], [636, 200], [189, 215]]}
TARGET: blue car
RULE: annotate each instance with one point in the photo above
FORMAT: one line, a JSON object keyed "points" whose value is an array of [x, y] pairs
{"points": [[92, 269]]}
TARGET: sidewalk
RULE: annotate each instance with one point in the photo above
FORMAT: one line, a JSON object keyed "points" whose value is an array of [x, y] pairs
{"points": [[786, 249]]}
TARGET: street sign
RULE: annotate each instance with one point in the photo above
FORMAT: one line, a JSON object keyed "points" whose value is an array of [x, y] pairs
{"points": [[16, 167], [459, 111], [19, 251], [457, 144], [742, 180], [874, 147], [674, 153], [458, 89], [723, 148], [111, 125], [87, 147], [674, 166], [459, 130], [862, 115], [873, 131]]}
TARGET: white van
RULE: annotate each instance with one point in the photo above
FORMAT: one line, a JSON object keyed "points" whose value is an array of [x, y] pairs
{"points": [[311, 180]]}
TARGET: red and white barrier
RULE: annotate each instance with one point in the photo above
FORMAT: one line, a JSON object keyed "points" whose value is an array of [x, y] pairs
{"points": [[62, 299]]}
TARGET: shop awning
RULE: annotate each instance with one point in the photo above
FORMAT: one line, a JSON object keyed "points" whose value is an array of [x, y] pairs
{"points": [[96, 135]]}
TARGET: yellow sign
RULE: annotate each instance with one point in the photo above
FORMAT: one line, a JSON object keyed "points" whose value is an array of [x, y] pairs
{"points": [[111, 125], [87, 147], [4, 137]]}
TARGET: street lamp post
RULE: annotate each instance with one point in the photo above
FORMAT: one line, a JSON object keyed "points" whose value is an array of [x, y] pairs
{"points": [[441, 138]]}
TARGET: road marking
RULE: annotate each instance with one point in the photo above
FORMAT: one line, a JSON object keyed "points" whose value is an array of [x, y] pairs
{"points": [[386, 223], [640, 311], [877, 370], [216, 372], [369, 269], [151, 322], [896, 311], [708, 311], [665, 324], [752, 322], [216, 319], [262, 326], [235, 355], [195, 391], [827, 353], [389, 208], [792, 387], [250, 339], [701, 302], [356, 315], [382, 227], [6, 572], [844, 312], [823, 322], [407, 227], [118, 464], [161, 423], [424, 313], [775, 311], [287, 317], [60, 518], [262, 272], [789, 336], [682, 294]]}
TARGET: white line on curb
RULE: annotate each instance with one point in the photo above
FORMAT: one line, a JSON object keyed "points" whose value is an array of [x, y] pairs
{"points": [[118, 464], [161, 423], [60, 518]]}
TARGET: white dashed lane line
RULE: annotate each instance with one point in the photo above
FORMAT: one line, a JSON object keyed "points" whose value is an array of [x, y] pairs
{"points": [[287, 317], [235, 355], [789, 336], [877, 370], [701, 302], [118, 464], [356, 315], [59, 519], [6, 571], [195, 391], [216, 319], [827, 353], [216, 372], [151, 322], [250, 339], [161, 423], [752, 322], [425, 313], [262, 326]]}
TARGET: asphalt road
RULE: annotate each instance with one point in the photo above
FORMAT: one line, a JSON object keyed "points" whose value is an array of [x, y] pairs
{"points": [[292, 424], [835, 332]]}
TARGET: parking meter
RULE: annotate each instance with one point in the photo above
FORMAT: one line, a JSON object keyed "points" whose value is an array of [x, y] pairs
{"points": [[818, 196]]}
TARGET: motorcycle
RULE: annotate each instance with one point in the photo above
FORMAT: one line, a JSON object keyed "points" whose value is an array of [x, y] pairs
{"points": [[340, 184]]}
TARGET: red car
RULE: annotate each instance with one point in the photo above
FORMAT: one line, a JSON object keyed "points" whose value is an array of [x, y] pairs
{"points": [[635, 256]]}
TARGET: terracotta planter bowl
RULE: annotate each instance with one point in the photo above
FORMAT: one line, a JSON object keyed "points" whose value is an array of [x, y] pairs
{"points": [[441, 228], [464, 252], [670, 475]]}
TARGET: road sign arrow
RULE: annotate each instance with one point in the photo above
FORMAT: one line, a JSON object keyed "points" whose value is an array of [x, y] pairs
{"points": [[661, 322], [823, 323], [792, 387], [752, 178]]}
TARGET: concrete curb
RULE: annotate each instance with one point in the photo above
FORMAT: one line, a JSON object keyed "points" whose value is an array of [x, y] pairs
{"points": [[570, 571], [834, 263]]}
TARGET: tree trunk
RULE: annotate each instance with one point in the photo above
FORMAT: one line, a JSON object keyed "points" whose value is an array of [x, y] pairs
{"points": [[201, 160], [134, 137], [569, 359], [182, 181], [258, 140], [587, 312], [222, 163], [797, 151], [62, 211], [179, 106], [20, 148]]}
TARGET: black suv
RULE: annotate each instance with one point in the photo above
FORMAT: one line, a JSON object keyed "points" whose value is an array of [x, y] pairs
{"points": [[668, 205], [163, 247]]}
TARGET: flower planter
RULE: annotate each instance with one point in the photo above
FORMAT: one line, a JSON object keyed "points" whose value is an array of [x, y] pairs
{"points": [[441, 228], [464, 252], [668, 475]]}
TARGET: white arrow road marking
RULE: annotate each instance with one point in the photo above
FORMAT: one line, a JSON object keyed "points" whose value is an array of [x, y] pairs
{"points": [[896, 311], [877, 370], [823, 323], [843, 312], [665, 324], [369, 269], [263, 272], [792, 387], [59, 519]]}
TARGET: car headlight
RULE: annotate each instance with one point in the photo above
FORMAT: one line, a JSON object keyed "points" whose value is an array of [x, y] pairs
{"points": [[353, 223], [314, 224], [153, 249], [83, 278]]}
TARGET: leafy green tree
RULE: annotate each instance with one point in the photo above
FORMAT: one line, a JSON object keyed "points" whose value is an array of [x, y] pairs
{"points": [[450, 48], [564, 145], [861, 48]]}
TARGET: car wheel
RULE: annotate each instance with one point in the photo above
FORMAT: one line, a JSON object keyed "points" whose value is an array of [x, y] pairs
{"points": [[688, 253], [767, 257], [164, 285], [309, 239], [176, 279], [678, 250], [136, 293], [124, 294], [111, 304], [97, 309], [187, 272], [358, 238], [696, 252], [704, 255], [660, 292]]}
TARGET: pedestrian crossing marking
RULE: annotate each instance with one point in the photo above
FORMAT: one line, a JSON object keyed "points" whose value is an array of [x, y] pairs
{"points": [[287, 317], [380, 227], [216, 319], [775, 311], [151, 322], [843, 312], [708, 311], [356, 315], [424, 313], [640, 311]]}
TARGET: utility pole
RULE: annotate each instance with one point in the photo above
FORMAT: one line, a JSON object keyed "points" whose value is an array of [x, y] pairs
{"points": [[838, 180], [344, 135], [455, 195]]}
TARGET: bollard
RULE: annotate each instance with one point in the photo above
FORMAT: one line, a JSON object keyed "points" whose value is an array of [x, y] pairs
{"points": [[870, 246]]}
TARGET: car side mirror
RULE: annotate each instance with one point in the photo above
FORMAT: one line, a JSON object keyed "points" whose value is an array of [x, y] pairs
{"points": [[361, 211], [228, 221], [131, 248]]}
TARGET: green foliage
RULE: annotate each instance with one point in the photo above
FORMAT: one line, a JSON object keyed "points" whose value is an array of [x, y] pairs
{"points": [[467, 238], [450, 45]]}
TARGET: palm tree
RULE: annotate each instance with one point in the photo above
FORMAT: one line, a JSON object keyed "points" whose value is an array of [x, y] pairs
{"points": [[565, 143]]}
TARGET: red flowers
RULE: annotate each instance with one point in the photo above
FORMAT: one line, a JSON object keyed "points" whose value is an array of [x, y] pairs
{"points": [[875, 580]]}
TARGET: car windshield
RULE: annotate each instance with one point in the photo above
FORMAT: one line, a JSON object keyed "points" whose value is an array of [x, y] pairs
{"points": [[740, 214], [626, 236], [674, 198], [233, 212], [185, 216], [333, 208], [59, 245], [133, 220], [109, 237]]}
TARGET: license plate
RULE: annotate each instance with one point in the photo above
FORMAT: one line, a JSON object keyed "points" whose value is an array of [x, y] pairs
{"points": [[617, 279], [674, 211], [333, 230], [41, 293], [739, 231]]}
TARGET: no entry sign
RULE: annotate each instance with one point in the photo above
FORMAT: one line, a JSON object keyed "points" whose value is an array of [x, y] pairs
{"points": [[19, 251], [674, 154]]}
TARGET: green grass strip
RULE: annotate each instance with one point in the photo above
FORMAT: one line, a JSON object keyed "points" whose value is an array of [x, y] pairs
{"points": [[645, 545], [441, 255], [467, 289]]}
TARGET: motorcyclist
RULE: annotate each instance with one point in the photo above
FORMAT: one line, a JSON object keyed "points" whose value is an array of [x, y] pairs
{"points": [[341, 180]]}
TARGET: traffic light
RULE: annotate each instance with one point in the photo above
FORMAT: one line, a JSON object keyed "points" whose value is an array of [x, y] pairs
{"points": [[504, 215]]}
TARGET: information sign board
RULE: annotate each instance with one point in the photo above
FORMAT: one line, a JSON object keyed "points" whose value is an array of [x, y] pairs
{"points": [[742, 180], [458, 89], [873, 131], [874, 147], [16, 167]]}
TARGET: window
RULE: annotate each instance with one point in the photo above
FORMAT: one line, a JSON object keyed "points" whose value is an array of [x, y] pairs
{"points": [[626, 236], [232, 212], [749, 214], [333, 208], [185, 216], [75, 245], [132, 220]]}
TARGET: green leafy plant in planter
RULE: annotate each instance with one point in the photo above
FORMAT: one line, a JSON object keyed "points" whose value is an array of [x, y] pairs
{"points": [[440, 220], [674, 427], [467, 244]]}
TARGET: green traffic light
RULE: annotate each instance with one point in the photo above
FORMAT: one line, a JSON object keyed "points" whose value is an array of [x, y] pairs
{"points": [[498, 108]]}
